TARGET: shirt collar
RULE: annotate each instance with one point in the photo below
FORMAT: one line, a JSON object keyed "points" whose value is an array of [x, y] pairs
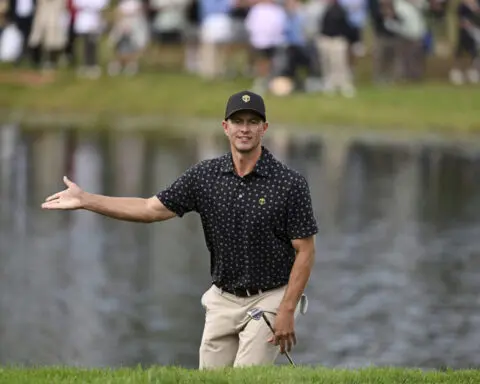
{"points": [[262, 167]]}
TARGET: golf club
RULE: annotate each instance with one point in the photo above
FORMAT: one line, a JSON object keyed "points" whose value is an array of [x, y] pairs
{"points": [[257, 314]]}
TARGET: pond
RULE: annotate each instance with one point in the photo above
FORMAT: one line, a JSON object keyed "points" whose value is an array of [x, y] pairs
{"points": [[395, 282]]}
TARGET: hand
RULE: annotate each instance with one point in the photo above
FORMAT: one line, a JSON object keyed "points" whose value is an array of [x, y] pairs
{"points": [[284, 331], [70, 198]]}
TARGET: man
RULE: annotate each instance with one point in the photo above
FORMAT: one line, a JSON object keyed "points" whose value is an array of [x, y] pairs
{"points": [[265, 24], [333, 45], [406, 19], [385, 42], [466, 64], [48, 35], [21, 13], [259, 227]]}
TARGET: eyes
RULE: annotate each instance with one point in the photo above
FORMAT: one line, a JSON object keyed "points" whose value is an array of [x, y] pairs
{"points": [[250, 122]]}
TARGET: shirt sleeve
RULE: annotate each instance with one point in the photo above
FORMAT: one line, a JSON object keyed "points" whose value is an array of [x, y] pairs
{"points": [[181, 196], [301, 220]]}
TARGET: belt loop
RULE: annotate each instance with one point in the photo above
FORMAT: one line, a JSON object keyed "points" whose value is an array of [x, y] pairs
{"points": [[260, 291], [248, 293]]}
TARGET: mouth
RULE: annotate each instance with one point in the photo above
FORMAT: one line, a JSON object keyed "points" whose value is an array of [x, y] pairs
{"points": [[244, 139]]}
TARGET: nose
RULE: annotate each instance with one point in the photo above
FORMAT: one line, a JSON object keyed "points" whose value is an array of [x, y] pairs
{"points": [[245, 127]]}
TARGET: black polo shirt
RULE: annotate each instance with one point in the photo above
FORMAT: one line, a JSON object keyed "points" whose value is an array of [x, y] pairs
{"points": [[248, 221]]}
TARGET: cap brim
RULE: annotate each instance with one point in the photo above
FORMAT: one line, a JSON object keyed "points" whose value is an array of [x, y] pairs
{"points": [[246, 109]]}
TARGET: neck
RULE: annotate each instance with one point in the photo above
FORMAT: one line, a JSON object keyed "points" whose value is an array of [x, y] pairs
{"points": [[245, 162]]}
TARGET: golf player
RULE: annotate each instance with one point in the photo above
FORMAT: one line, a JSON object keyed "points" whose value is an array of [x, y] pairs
{"points": [[259, 228]]}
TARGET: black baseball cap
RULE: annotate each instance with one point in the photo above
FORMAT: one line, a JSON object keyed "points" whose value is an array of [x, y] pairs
{"points": [[245, 101]]}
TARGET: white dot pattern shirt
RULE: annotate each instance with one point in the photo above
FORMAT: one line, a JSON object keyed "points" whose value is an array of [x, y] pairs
{"points": [[248, 221]]}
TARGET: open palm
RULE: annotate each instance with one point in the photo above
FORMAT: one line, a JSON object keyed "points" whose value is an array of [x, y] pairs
{"points": [[70, 198]]}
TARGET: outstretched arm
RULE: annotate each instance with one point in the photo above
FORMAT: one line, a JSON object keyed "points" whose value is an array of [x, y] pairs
{"points": [[121, 208]]}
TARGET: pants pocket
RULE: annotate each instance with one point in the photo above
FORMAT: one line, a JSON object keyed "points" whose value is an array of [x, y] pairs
{"points": [[203, 299]]}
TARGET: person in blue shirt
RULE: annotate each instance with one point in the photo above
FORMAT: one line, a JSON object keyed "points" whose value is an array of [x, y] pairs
{"points": [[215, 34], [299, 54]]}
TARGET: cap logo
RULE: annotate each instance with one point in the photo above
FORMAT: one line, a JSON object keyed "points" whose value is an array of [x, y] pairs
{"points": [[246, 98], [261, 201]]}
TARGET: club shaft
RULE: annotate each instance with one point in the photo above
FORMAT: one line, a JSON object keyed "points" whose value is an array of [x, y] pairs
{"points": [[273, 331]]}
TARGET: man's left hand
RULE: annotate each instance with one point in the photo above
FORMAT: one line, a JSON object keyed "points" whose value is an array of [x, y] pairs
{"points": [[284, 331]]}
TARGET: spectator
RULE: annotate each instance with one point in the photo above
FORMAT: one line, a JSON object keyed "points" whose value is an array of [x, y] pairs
{"points": [[333, 46], [215, 34], [265, 24], [128, 37], [89, 26], [385, 42], [191, 36], [238, 14], [357, 15], [49, 31], [21, 13], [437, 21], [297, 55], [468, 14], [69, 51], [408, 22], [169, 21], [313, 11]]}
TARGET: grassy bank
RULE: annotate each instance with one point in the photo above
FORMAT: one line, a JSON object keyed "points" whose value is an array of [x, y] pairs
{"points": [[430, 106], [251, 375]]}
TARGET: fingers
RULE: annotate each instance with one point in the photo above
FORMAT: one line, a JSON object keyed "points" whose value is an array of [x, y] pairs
{"points": [[67, 181], [285, 341], [52, 204], [53, 197], [281, 343]]}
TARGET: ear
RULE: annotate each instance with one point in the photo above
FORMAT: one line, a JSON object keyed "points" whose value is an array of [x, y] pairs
{"points": [[225, 127], [265, 127]]}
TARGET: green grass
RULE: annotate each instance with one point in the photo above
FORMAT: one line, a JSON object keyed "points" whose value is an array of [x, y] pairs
{"points": [[246, 375], [434, 105]]}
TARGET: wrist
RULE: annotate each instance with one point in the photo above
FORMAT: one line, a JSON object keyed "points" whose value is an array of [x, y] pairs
{"points": [[287, 307], [85, 200]]}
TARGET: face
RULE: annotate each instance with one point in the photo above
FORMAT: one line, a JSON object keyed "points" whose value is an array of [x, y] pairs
{"points": [[245, 131]]}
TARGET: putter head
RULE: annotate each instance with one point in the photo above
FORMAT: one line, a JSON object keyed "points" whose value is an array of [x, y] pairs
{"points": [[255, 313]]}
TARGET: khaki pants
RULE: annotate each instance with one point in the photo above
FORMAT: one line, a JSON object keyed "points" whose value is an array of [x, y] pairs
{"points": [[230, 338], [212, 60], [334, 58]]}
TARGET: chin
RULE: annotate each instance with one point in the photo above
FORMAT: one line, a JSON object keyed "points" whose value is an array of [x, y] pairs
{"points": [[245, 148]]}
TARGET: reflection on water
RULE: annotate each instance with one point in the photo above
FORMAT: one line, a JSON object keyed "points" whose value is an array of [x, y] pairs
{"points": [[396, 279]]}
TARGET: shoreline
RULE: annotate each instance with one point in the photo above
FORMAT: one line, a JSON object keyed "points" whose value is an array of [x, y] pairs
{"points": [[157, 101]]}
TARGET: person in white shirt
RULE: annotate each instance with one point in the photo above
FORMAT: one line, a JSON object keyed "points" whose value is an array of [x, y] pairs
{"points": [[408, 22], [266, 24], [88, 26]]}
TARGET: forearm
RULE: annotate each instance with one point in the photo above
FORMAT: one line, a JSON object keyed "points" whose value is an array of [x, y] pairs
{"points": [[121, 208], [298, 280]]}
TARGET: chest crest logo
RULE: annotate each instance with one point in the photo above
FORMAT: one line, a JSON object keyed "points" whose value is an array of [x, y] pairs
{"points": [[261, 201]]}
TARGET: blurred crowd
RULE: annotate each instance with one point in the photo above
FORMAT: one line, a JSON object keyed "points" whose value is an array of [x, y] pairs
{"points": [[310, 45]]}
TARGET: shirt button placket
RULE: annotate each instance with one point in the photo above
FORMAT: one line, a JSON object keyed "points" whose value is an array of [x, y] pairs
{"points": [[244, 234]]}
